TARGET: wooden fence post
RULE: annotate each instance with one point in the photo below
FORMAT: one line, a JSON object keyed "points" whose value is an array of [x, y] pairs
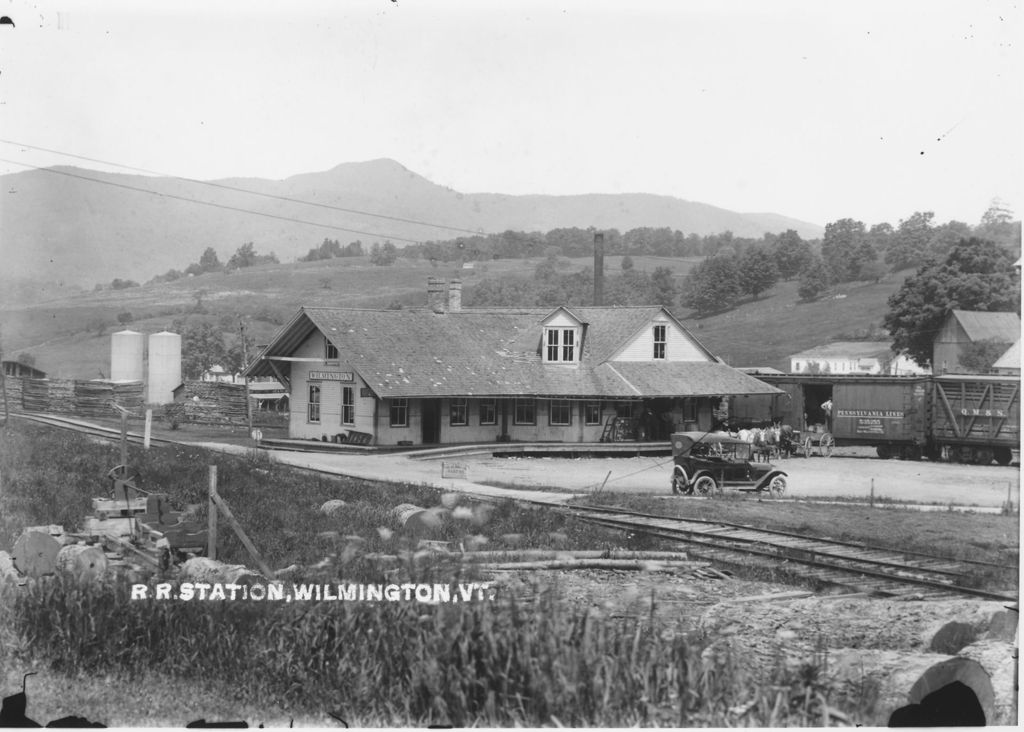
{"points": [[211, 546]]}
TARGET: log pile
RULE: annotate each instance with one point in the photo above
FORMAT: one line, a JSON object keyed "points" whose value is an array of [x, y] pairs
{"points": [[905, 648], [212, 402]]}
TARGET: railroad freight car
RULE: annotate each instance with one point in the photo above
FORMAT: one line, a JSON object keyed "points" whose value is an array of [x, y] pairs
{"points": [[975, 419], [967, 418]]}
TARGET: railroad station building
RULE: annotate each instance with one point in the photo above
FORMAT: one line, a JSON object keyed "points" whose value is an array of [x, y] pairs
{"points": [[448, 375]]}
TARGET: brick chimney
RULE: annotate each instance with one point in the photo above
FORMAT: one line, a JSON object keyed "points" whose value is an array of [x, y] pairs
{"points": [[455, 296], [437, 295], [599, 269]]}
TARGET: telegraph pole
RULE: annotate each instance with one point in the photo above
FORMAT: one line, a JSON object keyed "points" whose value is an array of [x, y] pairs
{"points": [[245, 364]]}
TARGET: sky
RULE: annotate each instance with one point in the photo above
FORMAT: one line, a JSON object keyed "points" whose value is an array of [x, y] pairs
{"points": [[819, 111]]}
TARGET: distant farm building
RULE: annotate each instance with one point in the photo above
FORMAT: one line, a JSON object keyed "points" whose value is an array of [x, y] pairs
{"points": [[964, 328], [1009, 362], [16, 370], [854, 357]]}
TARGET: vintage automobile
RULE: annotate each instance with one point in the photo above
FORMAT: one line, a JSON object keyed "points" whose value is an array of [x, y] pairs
{"points": [[708, 462]]}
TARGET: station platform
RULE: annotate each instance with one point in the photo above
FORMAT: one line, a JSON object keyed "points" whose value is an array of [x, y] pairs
{"points": [[494, 449]]}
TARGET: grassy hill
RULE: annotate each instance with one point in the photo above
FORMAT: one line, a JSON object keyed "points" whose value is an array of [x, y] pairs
{"points": [[69, 336], [81, 226]]}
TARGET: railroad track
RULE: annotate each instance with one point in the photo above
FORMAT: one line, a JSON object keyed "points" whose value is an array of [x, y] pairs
{"points": [[854, 567], [89, 429]]}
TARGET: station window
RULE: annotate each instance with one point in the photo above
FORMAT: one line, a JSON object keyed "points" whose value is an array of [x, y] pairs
{"points": [[399, 412], [488, 411], [313, 405], [560, 413], [330, 351], [560, 345], [525, 412], [659, 341], [348, 405], [459, 418], [689, 410], [592, 413]]}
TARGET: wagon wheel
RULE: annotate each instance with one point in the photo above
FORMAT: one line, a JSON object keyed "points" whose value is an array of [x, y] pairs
{"points": [[983, 455], [807, 447], [826, 445], [1003, 455], [705, 485], [777, 487]]}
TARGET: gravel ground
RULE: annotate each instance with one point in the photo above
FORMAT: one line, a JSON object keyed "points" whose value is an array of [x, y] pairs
{"points": [[845, 475]]}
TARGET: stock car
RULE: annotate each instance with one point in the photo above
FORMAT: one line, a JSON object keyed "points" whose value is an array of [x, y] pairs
{"points": [[706, 463]]}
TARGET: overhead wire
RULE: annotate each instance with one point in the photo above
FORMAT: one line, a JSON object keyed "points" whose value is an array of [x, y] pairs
{"points": [[210, 203], [236, 189]]}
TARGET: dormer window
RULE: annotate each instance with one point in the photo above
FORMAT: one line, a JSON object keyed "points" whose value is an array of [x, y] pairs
{"points": [[659, 341], [330, 351], [560, 345]]}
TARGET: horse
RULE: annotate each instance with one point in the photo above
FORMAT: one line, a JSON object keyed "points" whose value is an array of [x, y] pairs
{"points": [[788, 443], [766, 443]]}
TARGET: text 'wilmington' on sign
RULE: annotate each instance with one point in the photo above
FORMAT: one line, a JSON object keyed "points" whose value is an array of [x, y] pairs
{"points": [[331, 376]]}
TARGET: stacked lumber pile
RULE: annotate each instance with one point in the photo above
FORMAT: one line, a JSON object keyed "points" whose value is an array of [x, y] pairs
{"points": [[15, 390], [35, 395], [61, 394], [212, 402], [93, 398]]}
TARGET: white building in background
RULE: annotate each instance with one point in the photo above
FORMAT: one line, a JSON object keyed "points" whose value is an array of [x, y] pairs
{"points": [[854, 357], [1009, 362]]}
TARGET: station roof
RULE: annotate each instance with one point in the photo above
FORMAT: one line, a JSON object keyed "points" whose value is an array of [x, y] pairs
{"points": [[497, 353]]}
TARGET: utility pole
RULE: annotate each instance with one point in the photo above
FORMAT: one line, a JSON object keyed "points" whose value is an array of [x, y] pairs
{"points": [[3, 387], [245, 364]]}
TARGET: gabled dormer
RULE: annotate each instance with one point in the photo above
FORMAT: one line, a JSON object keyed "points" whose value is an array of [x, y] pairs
{"points": [[561, 338], [661, 339]]}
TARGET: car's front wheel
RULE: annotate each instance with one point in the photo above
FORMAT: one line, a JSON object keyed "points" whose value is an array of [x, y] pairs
{"points": [[778, 486]]}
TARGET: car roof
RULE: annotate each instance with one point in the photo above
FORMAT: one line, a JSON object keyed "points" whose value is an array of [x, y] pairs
{"points": [[689, 439]]}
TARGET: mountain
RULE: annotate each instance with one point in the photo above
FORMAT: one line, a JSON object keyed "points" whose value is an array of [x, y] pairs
{"points": [[82, 226]]}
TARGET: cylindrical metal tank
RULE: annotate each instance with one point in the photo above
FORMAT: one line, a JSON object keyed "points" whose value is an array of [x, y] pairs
{"points": [[164, 367], [126, 356]]}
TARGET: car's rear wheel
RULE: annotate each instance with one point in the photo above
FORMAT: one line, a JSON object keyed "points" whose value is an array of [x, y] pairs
{"points": [[705, 485], [778, 486]]}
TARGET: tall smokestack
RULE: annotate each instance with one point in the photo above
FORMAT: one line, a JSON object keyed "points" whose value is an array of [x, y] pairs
{"points": [[598, 269]]}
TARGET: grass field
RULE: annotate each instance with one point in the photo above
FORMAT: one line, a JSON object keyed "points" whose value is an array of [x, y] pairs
{"points": [[511, 661]]}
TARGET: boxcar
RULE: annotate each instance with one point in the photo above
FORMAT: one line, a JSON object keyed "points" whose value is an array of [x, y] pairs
{"points": [[889, 413], [975, 419], [968, 418]]}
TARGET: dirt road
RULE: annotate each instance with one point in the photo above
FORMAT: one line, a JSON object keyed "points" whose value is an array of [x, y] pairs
{"points": [[817, 477]]}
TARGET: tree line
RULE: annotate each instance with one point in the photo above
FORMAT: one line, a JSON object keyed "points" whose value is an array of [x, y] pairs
{"points": [[245, 256]]}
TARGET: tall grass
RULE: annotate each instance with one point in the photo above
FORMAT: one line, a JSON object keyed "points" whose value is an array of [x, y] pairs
{"points": [[483, 663], [510, 661]]}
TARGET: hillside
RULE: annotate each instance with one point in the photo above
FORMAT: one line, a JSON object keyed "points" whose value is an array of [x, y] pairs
{"points": [[81, 227], [69, 336]]}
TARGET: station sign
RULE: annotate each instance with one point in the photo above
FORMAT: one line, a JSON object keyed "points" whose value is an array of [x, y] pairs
{"points": [[347, 376]]}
